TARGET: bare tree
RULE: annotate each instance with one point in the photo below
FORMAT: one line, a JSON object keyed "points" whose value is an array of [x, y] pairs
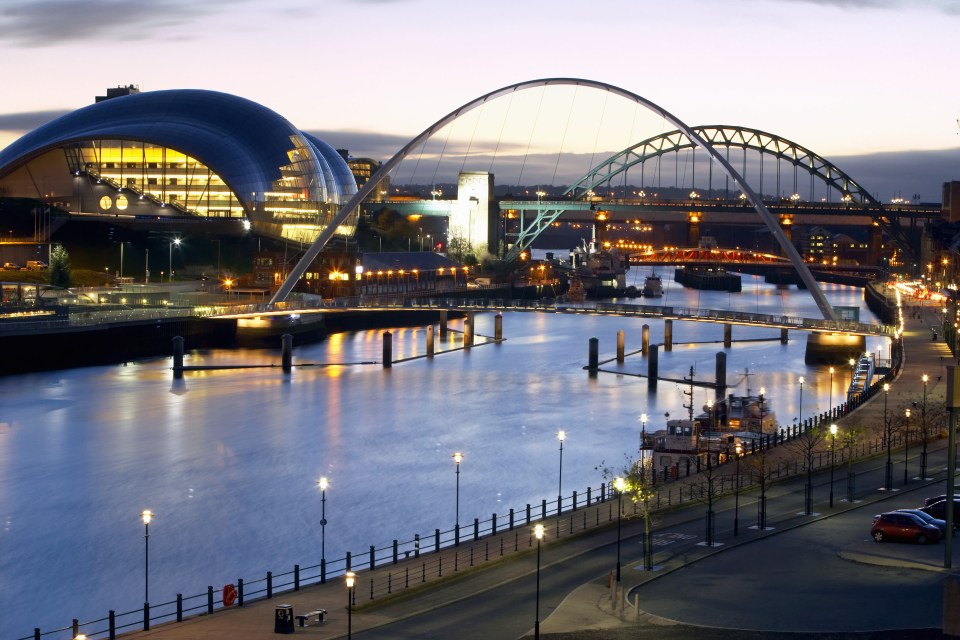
{"points": [[807, 443]]}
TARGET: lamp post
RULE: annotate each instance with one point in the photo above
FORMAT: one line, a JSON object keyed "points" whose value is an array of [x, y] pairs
{"points": [[736, 493], [906, 444], [457, 458], [762, 505], [643, 441], [923, 427], [619, 485], [830, 412], [561, 436], [801, 404], [351, 578], [853, 364], [833, 449], [888, 479], [323, 484], [176, 241], [146, 516], [121, 262], [538, 532]]}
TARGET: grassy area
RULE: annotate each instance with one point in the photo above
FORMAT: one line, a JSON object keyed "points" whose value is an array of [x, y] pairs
{"points": [[80, 277]]}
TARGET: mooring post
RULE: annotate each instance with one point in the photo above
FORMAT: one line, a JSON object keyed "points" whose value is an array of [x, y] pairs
{"points": [[177, 357], [443, 323], [645, 344], [783, 336], [668, 335], [468, 333], [653, 367], [721, 373], [620, 346], [430, 341], [593, 360], [727, 336], [498, 327], [387, 349], [286, 352]]}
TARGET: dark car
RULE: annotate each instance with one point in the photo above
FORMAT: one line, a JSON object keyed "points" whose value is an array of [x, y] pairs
{"points": [[897, 525], [929, 501], [939, 510]]}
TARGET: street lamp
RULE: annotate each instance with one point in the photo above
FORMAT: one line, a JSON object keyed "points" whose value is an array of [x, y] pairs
{"points": [[801, 404], [351, 578], [619, 485], [853, 364], [323, 484], [176, 241], [833, 448], [736, 492], [830, 413], [923, 426], [561, 436], [906, 444], [457, 458], [538, 532], [888, 480], [146, 516], [762, 505], [643, 438]]}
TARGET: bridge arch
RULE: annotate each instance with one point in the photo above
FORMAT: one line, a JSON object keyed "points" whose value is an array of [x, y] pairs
{"points": [[791, 252]]}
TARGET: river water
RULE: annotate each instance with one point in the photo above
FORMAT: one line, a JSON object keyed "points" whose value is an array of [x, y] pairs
{"points": [[228, 460]]}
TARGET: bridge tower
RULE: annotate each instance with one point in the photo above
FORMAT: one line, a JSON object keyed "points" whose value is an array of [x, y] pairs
{"points": [[693, 228], [786, 223], [874, 244], [470, 217]]}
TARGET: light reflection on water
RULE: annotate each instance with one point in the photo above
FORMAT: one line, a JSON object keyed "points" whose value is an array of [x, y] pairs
{"points": [[228, 460]]}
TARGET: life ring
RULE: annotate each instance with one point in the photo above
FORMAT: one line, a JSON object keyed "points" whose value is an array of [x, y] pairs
{"points": [[229, 595]]}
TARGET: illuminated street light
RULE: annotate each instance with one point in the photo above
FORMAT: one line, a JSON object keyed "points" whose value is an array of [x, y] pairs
{"points": [[561, 436], [923, 428], [762, 504], [830, 413], [833, 449], [457, 458], [323, 484], [538, 532], [176, 242], [906, 444], [888, 480], [619, 484], [350, 579], [736, 492], [801, 402], [146, 516]]}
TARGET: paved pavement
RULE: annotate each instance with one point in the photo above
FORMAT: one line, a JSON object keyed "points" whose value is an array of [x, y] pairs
{"points": [[418, 586]]}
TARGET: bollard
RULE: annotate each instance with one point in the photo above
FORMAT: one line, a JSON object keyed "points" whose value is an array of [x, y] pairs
{"points": [[468, 333], [653, 367], [286, 352], [387, 349], [430, 341], [443, 323], [620, 346], [783, 336], [645, 340], [721, 373], [498, 327], [668, 335], [178, 357], [727, 336], [593, 360]]}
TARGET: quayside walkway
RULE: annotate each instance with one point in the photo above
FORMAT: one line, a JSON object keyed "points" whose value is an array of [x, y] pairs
{"points": [[499, 552]]}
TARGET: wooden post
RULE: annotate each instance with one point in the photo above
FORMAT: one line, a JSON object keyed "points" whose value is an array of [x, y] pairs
{"points": [[645, 344], [593, 360], [620, 346], [286, 352], [387, 349], [668, 335], [653, 368], [498, 327], [430, 341], [727, 336], [178, 357], [443, 323]]}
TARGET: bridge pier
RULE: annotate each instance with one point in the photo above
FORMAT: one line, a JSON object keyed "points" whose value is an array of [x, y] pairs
{"points": [[620, 346], [727, 336], [721, 374], [833, 348], [178, 357], [387, 349], [593, 358], [645, 344], [784, 337], [653, 368], [286, 352], [668, 335], [430, 341]]}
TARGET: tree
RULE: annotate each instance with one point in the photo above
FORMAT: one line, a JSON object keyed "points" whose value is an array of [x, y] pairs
{"points": [[638, 487], [60, 272], [807, 443]]}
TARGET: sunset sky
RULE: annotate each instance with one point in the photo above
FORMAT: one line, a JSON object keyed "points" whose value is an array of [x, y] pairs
{"points": [[869, 84]]}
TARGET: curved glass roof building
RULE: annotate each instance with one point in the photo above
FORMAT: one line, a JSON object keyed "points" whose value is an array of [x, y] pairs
{"points": [[184, 152]]}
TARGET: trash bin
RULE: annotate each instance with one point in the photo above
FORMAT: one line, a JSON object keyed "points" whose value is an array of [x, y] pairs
{"points": [[283, 619]]}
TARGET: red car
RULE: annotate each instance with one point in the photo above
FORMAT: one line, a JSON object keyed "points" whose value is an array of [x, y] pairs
{"points": [[897, 525]]}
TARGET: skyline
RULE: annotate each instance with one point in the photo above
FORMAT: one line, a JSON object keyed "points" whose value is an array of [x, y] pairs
{"points": [[867, 84]]}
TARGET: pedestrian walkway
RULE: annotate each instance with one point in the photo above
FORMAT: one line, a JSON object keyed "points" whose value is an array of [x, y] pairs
{"points": [[432, 580]]}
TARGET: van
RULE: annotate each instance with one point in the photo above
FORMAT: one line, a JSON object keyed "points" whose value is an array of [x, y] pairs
{"points": [[36, 265]]}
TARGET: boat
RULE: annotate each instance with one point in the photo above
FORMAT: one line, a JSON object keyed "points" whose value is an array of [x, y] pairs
{"points": [[653, 286], [575, 291], [708, 279], [602, 272]]}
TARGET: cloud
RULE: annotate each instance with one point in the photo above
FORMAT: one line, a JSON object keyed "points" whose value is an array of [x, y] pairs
{"points": [[54, 22], [946, 6], [27, 121], [364, 144]]}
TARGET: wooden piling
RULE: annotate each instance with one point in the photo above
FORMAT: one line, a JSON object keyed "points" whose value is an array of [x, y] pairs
{"points": [[177, 357], [653, 367], [498, 327], [645, 344], [430, 341], [443, 323], [387, 349], [668, 335], [286, 352], [593, 361], [727, 336], [620, 346]]}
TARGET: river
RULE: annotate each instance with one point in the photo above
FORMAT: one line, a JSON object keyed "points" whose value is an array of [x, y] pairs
{"points": [[228, 460]]}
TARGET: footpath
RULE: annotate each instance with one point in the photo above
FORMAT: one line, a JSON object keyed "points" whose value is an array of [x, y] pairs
{"points": [[433, 580]]}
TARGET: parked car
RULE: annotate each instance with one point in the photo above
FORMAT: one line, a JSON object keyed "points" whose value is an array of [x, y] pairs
{"points": [[939, 510], [36, 265], [896, 525], [10, 266], [929, 501], [929, 519]]}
